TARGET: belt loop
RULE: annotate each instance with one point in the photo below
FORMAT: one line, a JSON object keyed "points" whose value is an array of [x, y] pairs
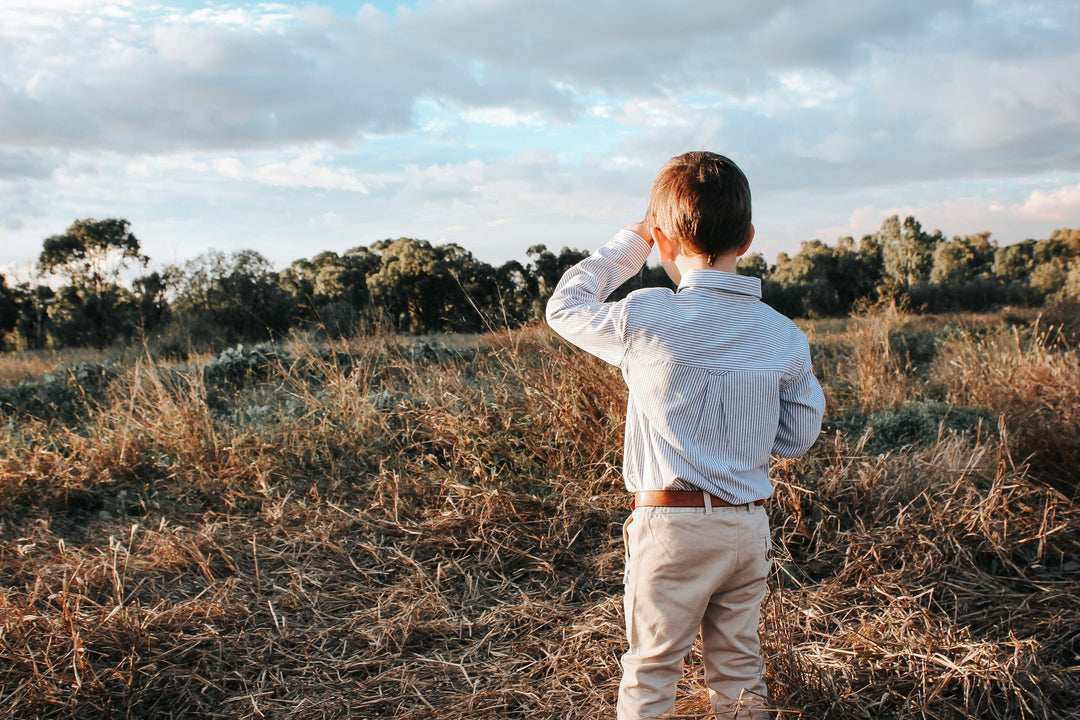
{"points": [[708, 501]]}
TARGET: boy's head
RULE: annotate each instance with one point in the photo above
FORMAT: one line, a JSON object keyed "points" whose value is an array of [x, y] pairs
{"points": [[701, 202]]}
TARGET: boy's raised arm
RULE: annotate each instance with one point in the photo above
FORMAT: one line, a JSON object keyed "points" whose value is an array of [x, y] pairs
{"points": [[577, 310]]}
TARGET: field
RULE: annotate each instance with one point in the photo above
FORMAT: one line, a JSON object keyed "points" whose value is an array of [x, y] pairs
{"points": [[391, 527]]}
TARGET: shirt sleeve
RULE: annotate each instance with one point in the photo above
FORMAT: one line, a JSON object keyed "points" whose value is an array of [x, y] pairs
{"points": [[577, 310], [802, 405]]}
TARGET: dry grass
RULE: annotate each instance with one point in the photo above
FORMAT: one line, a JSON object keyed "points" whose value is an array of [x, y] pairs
{"points": [[1033, 380], [389, 536], [942, 578], [17, 367]]}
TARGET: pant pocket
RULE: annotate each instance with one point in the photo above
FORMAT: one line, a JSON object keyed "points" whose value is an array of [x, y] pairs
{"points": [[767, 554], [626, 547]]}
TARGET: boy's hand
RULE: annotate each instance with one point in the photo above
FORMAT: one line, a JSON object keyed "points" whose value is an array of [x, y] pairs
{"points": [[642, 228]]}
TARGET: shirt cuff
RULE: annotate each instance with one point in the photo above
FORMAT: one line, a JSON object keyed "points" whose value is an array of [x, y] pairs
{"points": [[632, 246]]}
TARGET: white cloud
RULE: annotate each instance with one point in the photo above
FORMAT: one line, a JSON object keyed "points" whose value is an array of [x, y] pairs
{"points": [[651, 113], [262, 15], [303, 171], [796, 77], [502, 117], [1058, 205], [811, 88]]}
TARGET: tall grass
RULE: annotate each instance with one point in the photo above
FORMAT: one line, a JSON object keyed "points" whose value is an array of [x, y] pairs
{"points": [[1033, 380], [413, 530]]}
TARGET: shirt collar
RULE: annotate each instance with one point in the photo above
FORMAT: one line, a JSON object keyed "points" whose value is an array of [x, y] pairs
{"points": [[720, 280]]}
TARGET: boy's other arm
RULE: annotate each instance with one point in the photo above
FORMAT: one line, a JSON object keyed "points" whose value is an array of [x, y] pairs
{"points": [[577, 310], [802, 405]]}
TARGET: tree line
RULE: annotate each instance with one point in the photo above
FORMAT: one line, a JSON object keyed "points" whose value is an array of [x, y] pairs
{"points": [[97, 296], [926, 271]]}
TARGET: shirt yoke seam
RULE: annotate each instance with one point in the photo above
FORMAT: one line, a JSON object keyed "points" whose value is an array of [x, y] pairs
{"points": [[630, 349]]}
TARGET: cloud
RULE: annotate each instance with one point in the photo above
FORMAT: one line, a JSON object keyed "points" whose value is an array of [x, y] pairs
{"points": [[303, 171], [27, 164], [248, 79], [1035, 215], [1057, 205], [502, 117], [820, 87], [532, 184]]}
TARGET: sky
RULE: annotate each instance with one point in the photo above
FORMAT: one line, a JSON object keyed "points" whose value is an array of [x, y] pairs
{"points": [[294, 128]]}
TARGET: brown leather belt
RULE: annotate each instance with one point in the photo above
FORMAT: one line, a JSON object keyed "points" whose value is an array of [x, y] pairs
{"points": [[680, 498]]}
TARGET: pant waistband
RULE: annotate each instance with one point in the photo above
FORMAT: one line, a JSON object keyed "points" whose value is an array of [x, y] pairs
{"points": [[681, 498]]}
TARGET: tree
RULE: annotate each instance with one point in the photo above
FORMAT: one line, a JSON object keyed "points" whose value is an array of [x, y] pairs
{"points": [[907, 251], [345, 280], [1070, 238], [34, 323], [9, 309], [424, 287], [1049, 278], [813, 272], [298, 280], [81, 318], [330, 289], [963, 259], [1071, 288], [827, 280], [516, 288], [477, 304], [152, 293], [753, 265], [857, 272], [92, 255], [1013, 263], [548, 268], [649, 276], [871, 256], [1050, 260], [412, 284], [227, 298]]}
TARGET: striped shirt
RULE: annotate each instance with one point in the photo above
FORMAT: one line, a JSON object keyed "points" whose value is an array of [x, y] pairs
{"points": [[718, 380]]}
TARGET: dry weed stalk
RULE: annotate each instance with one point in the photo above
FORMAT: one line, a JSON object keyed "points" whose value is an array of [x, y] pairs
{"points": [[393, 537]]}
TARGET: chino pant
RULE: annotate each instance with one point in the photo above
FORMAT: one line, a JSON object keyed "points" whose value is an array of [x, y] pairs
{"points": [[691, 569]]}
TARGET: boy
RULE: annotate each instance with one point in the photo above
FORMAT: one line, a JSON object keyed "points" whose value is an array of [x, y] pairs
{"points": [[717, 382]]}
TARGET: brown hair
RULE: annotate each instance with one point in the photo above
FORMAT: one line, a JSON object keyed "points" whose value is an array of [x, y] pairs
{"points": [[701, 201]]}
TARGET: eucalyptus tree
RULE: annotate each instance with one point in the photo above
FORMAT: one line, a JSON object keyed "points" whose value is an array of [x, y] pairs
{"points": [[963, 259], [223, 298], [92, 256], [907, 250]]}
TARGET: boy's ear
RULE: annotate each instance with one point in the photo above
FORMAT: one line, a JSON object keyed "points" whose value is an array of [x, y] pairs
{"points": [[746, 245], [663, 245]]}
